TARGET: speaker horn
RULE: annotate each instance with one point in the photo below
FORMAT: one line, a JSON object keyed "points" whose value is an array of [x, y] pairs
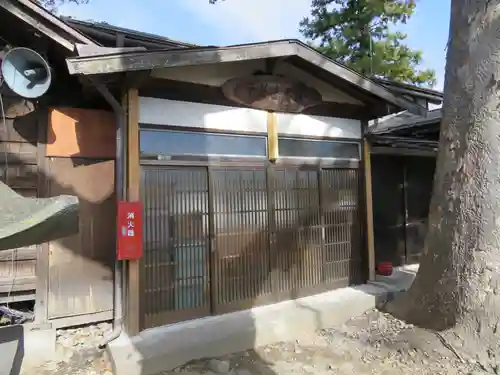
{"points": [[26, 73]]}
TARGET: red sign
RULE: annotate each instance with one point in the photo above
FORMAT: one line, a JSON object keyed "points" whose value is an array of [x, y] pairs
{"points": [[129, 234]]}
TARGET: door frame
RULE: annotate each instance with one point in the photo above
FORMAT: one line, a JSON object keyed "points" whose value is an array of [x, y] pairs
{"points": [[209, 164]]}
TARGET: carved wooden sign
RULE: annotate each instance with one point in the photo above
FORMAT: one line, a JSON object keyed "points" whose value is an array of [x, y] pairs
{"points": [[271, 93]]}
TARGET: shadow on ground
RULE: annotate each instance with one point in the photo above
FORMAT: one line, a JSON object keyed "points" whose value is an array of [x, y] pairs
{"points": [[11, 349]]}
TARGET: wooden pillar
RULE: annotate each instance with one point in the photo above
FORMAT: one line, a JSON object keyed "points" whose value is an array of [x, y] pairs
{"points": [[272, 136], [133, 311], [369, 209], [42, 257]]}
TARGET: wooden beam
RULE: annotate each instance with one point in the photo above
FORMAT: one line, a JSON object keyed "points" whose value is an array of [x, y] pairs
{"points": [[369, 209], [133, 307], [401, 151], [16, 11], [79, 320], [133, 169]]}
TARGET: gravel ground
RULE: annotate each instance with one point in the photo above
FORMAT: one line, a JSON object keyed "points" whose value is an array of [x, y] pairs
{"points": [[77, 353], [374, 343]]}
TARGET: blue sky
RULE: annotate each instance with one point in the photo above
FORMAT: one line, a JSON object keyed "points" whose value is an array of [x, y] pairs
{"points": [[242, 21]]}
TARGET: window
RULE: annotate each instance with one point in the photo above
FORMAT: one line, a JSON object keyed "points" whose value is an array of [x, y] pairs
{"points": [[308, 148], [175, 143]]}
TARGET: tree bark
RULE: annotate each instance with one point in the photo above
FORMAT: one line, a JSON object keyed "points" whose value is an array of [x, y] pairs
{"points": [[457, 288]]}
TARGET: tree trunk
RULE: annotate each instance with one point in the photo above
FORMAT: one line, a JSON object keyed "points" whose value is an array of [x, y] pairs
{"points": [[457, 288]]}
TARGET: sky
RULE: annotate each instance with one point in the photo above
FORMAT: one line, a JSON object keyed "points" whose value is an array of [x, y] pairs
{"points": [[243, 21]]}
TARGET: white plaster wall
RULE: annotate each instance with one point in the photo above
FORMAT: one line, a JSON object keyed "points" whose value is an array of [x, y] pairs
{"points": [[318, 126], [201, 116], [207, 116]]}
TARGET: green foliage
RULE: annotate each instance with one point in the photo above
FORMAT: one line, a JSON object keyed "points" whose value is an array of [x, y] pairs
{"points": [[53, 4], [358, 34]]}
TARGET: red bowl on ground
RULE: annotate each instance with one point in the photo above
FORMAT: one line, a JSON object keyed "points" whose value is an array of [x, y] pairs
{"points": [[385, 269]]}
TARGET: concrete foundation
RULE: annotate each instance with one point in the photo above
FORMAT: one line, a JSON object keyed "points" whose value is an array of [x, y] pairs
{"points": [[164, 348]]}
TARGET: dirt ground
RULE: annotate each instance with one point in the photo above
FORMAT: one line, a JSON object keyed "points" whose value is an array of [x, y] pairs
{"points": [[374, 343]]}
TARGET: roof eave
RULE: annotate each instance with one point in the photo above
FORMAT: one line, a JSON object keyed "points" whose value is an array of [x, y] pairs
{"points": [[45, 22], [432, 98], [136, 61], [415, 125], [138, 36], [410, 88]]}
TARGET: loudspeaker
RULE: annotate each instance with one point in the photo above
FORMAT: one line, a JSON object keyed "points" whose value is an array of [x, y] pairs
{"points": [[26, 73]]}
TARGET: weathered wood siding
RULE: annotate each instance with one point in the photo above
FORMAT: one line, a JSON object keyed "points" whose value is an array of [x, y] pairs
{"points": [[80, 151], [18, 168]]}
